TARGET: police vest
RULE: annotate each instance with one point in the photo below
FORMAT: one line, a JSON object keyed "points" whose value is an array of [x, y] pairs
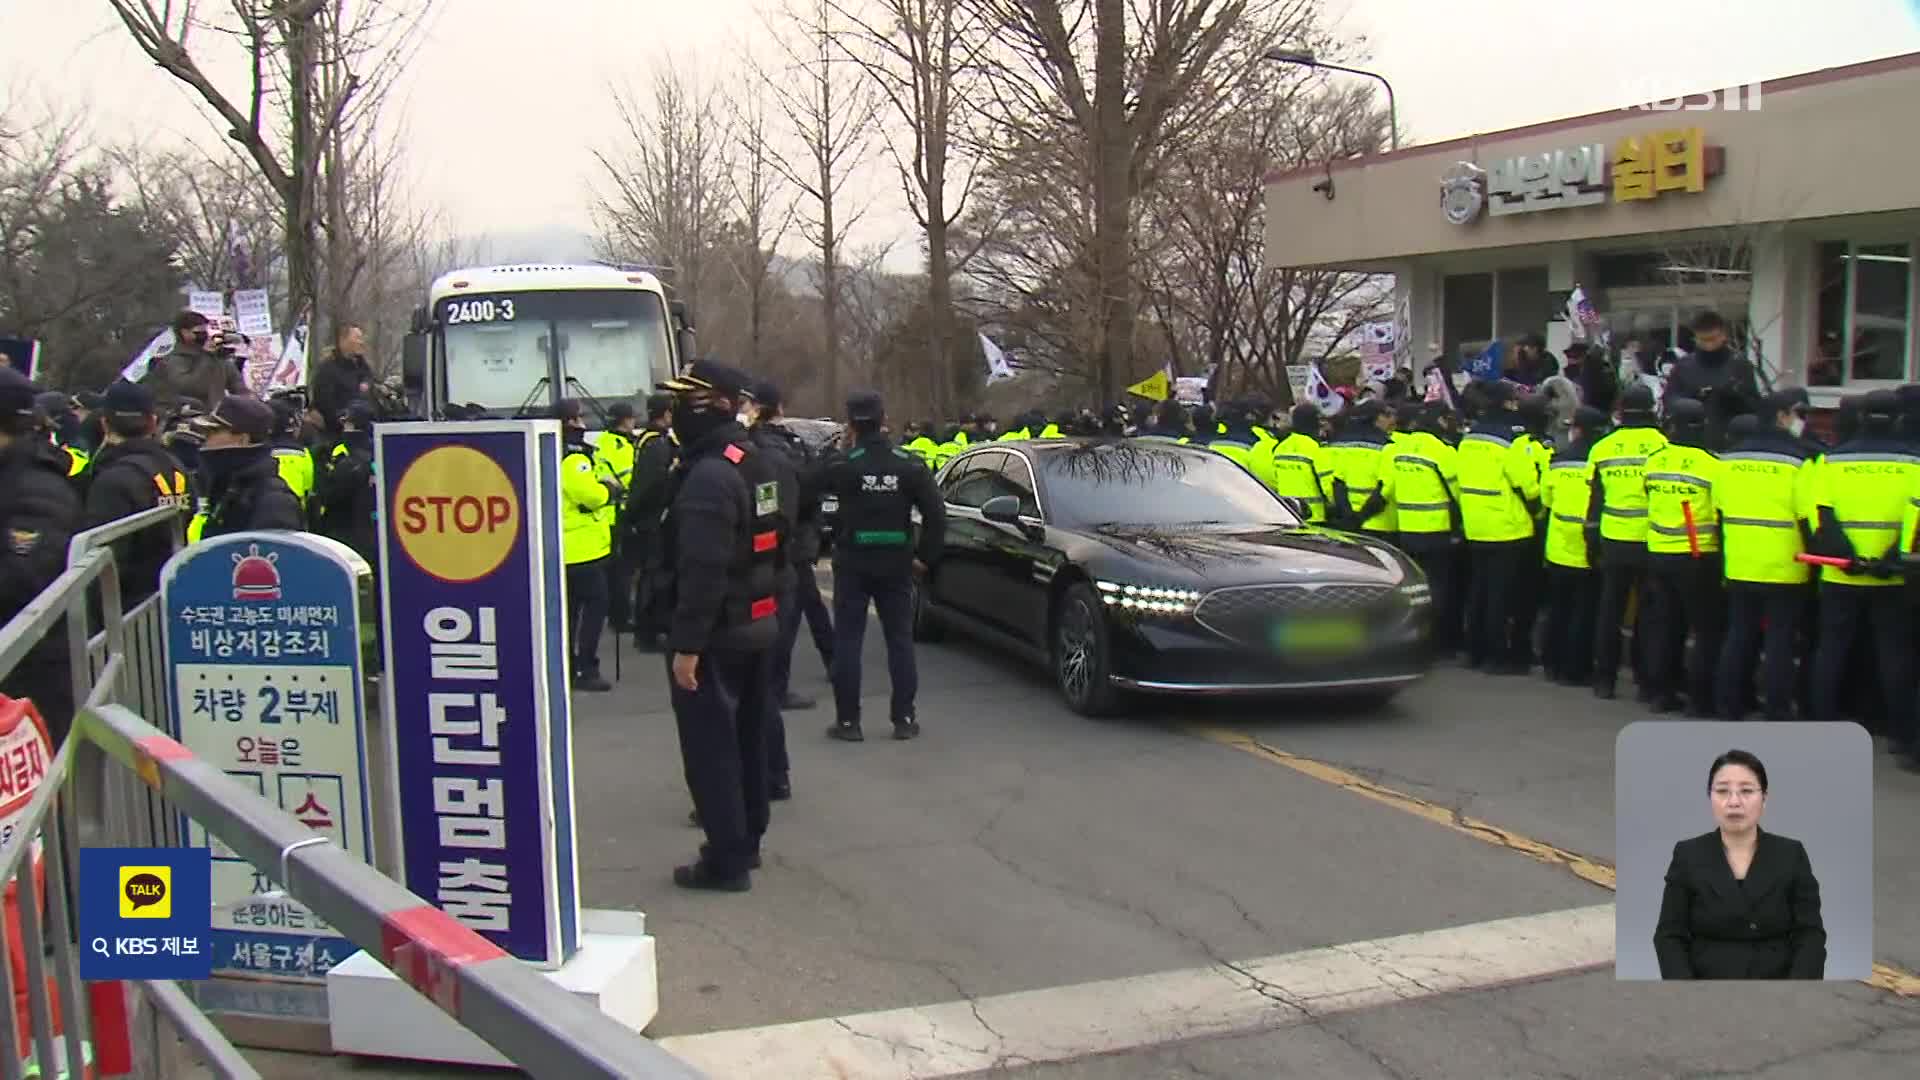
{"points": [[1361, 465], [1495, 476], [584, 531], [1870, 492], [1763, 496], [171, 490], [1015, 434], [1425, 475], [876, 514], [1566, 492], [77, 461], [925, 449], [296, 468], [1620, 469], [753, 596], [1681, 519], [613, 458], [1250, 453], [1299, 472]]}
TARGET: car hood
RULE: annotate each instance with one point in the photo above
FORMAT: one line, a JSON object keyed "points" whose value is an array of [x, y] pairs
{"points": [[1210, 556]]}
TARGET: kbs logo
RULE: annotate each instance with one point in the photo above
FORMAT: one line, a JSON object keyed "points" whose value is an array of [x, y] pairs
{"points": [[146, 892], [457, 515]]}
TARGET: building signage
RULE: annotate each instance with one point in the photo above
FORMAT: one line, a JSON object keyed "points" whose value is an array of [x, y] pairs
{"points": [[264, 680], [1636, 169], [477, 690]]}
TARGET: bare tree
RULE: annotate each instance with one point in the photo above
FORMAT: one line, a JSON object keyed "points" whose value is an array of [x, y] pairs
{"points": [[761, 208], [312, 67], [831, 110], [923, 57], [667, 198], [209, 206]]}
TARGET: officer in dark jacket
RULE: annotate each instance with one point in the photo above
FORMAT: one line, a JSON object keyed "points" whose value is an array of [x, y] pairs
{"points": [[807, 605], [39, 514], [345, 502], [723, 549], [245, 491], [786, 455], [878, 485], [135, 472], [654, 452]]}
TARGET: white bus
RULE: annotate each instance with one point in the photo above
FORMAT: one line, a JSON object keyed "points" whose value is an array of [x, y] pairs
{"points": [[517, 340]]}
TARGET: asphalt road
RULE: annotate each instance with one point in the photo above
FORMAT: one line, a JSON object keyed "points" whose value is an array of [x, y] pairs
{"points": [[978, 877]]}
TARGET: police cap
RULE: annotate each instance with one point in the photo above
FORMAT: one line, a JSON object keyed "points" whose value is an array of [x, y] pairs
{"points": [[659, 405], [1686, 412], [51, 402], [711, 376], [1636, 399], [128, 399], [865, 406], [359, 414], [570, 409], [1744, 426], [1533, 407], [1589, 419], [245, 415], [620, 410], [1785, 401], [1881, 404], [1366, 412], [766, 394]]}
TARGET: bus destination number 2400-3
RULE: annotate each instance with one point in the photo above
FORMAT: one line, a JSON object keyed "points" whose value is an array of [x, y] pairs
{"points": [[475, 311]]}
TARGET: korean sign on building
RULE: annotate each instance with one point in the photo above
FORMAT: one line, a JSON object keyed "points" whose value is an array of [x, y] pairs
{"points": [[264, 678], [1637, 168], [482, 762]]}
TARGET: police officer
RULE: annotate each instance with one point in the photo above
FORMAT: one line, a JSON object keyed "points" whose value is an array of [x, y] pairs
{"points": [[878, 485], [1863, 492], [344, 503], [586, 541], [1617, 518], [1573, 586], [1359, 461], [1499, 500], [1426, 497], [1764, 496], [58, 423], [134, 472], [803, 603], [784, 454], [245, 491], [1169, 423], [654, 452], [1244, 444], [1300, 468], [1684, 563], [290, 453], [614, 457], [918, 441], [39, 513], [723, 548]]}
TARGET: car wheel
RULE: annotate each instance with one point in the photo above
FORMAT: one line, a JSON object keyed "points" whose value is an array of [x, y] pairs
{"points": [[926, 627], [1081, 661]]}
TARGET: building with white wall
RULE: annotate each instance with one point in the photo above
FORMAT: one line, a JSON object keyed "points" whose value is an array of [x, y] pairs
{"points": [[1791, 207]]}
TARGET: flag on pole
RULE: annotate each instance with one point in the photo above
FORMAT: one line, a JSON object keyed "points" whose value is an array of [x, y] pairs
{"points": [[136, 368], [997, 366], [1321, 393], [1155, 387]]}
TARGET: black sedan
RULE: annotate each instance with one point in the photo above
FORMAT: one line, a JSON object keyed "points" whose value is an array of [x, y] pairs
{"points": [[1134, 565]]}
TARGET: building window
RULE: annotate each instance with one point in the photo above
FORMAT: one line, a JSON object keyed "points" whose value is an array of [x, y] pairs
{"points": [[1466, 310], [1864, 314], [1525, 303]]}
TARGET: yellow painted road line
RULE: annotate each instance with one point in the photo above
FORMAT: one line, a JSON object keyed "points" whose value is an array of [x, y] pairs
{"points": [[1586, 867]]}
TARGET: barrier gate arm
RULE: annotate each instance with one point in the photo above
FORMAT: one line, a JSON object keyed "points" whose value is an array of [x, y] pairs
{"points": [[540, 1027]]}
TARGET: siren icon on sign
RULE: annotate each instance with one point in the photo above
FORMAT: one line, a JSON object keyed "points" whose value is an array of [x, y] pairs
{"points": [[255, 577]]}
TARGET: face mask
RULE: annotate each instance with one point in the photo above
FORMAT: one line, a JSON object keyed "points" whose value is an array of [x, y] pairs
{"points": [[231, 459], [1798, 426], [693, 422]]}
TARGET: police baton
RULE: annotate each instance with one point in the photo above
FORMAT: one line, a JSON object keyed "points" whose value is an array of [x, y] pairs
{"points": [[1908, 563]]}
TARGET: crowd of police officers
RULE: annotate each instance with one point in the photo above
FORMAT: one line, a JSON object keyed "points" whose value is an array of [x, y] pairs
{"points": [[1680, 526]]}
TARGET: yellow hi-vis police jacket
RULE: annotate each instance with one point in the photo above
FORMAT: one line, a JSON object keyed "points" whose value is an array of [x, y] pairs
{"points": [[1363, 464], [1425, 484], [1681, 516], [585, 534], [1250, 453], [1764, 493], [1565, 495], [1301, 471], [1497, 481], [296, 468], [613, 459], [1620, 481], [923, 448], [1869, 485]]}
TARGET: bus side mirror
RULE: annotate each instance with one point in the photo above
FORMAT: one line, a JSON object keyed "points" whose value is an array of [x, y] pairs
{"points": [[413, 361], [421, 324], [683, 344]]}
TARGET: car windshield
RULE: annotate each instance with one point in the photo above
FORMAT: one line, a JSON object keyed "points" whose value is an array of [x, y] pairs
{"points": [[610, 344], [1135, 483]]}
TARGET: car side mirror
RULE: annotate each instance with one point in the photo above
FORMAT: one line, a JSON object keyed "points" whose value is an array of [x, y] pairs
{"points": [[1001, 509]]}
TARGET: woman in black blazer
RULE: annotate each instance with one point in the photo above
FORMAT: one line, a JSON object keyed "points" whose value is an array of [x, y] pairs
{"points": [[1740, 903]]}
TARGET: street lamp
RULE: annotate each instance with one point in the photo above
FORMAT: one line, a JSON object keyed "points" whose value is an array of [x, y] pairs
{"points": [[1306, 59]]}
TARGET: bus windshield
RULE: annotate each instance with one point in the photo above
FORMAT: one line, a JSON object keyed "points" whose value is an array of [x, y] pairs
{"points": [[606, 344]]}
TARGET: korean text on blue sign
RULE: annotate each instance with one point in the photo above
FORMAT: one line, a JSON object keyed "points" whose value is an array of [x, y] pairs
{"points": [[145, 913], [263, 666], [477, 678]]}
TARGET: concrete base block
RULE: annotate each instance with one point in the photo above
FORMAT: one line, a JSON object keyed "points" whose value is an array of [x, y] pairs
{"points": [[374, 1014]]}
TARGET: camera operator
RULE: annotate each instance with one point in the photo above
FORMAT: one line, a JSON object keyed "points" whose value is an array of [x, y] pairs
{"points": [[200, 366]]}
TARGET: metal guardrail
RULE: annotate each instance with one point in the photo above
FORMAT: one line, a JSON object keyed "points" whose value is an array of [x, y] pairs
{"points": [[85, 800]]}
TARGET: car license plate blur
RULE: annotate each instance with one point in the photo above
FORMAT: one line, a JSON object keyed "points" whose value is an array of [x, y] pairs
{"points": [[1318, 635]]}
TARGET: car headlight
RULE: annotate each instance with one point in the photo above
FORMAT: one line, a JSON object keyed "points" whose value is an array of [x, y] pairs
{"points": [[1416, 594], [1149, 599]]}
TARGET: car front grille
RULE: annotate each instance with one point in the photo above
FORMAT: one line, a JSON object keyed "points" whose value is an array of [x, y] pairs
{"points": [[1246, 614]]}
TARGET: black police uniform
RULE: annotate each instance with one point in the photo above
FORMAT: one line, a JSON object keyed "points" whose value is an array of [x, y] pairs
{"points": [[655, 452], [723, 545], [878, 485], [780, 459], [131, 476], [245, 491], [345, 497], [39, 513]]}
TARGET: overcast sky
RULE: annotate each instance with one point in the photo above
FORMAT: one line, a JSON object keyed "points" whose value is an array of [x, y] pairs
{"points": [[508, 97]]}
